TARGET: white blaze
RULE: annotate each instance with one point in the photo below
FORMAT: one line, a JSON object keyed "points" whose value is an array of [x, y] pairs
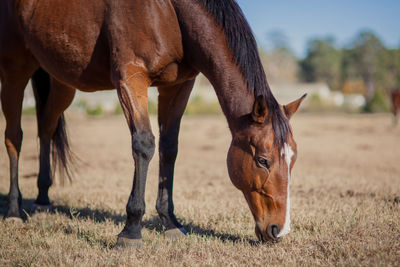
{"points": [[288, 153]]}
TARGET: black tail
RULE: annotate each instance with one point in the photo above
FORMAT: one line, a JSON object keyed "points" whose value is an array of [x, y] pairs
{"points": [[61, 155]]}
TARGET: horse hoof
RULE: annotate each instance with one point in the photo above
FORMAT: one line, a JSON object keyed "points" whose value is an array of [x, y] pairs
{"points": [[14, 220], [41, 208], [124, 242], [175, 233]]}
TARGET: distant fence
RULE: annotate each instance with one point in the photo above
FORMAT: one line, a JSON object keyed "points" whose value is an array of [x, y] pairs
{"points": [[285, 93]]}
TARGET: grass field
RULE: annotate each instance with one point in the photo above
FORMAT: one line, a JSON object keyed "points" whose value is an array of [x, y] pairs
{"points": [[345, 198]]}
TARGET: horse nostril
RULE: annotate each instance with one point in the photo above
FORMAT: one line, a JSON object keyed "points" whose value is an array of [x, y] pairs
{"points": [[273, 231]]}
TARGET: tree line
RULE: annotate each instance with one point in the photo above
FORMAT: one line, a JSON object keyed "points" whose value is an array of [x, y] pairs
{"points": [[364, 66]]}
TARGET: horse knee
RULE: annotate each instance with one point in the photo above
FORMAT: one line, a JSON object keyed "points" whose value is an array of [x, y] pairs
{"points": [[143, 145]]}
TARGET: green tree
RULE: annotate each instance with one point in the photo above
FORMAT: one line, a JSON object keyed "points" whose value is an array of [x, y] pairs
{"points": [[389, 76], [368, 56], [279, 61], [322, 63], [277, 40], [349, 69]]}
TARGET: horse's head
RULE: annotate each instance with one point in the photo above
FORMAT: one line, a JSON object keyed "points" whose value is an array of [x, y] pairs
{"points": [[259, 165]]}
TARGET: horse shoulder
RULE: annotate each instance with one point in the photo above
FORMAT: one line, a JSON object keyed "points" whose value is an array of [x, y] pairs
{"points": [[147, 34]]}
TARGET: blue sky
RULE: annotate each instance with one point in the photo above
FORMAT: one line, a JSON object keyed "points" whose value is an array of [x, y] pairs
{"points": [[301, 20]]}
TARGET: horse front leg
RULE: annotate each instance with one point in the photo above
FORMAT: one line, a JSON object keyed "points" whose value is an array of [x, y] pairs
{"points": [[132, 93], [171, 106]]}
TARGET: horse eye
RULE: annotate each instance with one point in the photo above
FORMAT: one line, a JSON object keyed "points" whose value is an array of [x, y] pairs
{"points": [[264, 162]]}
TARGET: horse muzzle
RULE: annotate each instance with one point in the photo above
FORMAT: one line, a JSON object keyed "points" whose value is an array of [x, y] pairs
{"points": [[270, 234]]}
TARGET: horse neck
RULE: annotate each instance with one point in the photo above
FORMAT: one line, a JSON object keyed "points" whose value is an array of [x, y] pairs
{"points": [[207, 49], [231, 89]]}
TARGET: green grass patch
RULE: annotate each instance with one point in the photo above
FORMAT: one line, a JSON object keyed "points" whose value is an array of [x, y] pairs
{"points": [[378, 103], [96, 111], [198, 106], [29, 111]]}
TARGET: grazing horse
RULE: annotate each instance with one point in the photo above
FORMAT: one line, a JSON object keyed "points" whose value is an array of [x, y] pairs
{"points": [[395, 105], [131, 45]]}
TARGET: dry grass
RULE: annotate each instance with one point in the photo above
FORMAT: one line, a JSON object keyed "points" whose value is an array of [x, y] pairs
{"points": [[344, 205]]}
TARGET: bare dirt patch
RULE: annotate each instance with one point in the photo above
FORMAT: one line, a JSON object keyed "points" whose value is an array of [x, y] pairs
{"points": [[345, 198]]}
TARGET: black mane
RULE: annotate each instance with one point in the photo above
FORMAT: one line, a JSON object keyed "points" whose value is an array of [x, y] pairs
{"points": [[241, 41]]}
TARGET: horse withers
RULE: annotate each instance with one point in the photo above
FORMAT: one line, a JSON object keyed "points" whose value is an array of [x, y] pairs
{"points": [[99, 45]]}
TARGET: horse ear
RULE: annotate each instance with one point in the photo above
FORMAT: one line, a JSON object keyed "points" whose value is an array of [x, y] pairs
{"points": [[292, 107], [260, 110]]}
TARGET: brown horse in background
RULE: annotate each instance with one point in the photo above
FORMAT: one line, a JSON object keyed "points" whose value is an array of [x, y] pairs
{"points": [[131, 45], [395, 95]]}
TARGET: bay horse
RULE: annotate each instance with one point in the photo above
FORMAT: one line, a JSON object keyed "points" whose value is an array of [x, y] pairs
{"points": [[131, 45], [395, 96]]}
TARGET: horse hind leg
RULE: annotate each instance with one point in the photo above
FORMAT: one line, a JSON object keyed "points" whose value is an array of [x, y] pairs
{"points": [[52, 98], [12, 94], [171, 106]]}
